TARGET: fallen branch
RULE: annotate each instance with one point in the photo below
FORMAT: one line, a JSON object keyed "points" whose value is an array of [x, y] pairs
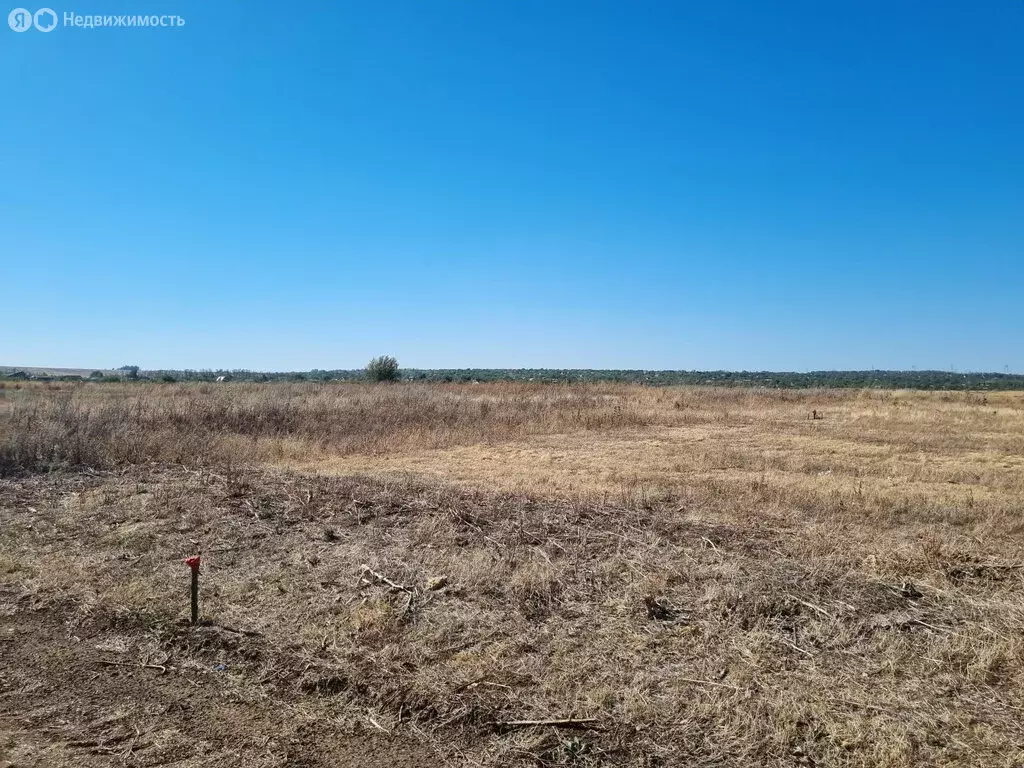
{"points": [[160, 667], [567, 722], [246, 632], [377, 725], [920, 623], [479, 681], [408, 605], [812, 606], [381, 577], [794, 646]]}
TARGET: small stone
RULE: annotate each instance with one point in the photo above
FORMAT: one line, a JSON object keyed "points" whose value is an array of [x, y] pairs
{"points": [[436, 583]]}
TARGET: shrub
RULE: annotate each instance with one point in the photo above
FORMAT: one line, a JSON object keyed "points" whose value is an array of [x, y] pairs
{"points": [[383, 368]]}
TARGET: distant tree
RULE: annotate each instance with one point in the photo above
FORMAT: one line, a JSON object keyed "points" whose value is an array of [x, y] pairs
{"points": [[130, 371], [383, 368], [167, 378], [96, 375]]}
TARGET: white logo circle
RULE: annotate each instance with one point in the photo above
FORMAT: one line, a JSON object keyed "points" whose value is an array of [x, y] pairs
{"points": [[44, 22], [20, 19]]}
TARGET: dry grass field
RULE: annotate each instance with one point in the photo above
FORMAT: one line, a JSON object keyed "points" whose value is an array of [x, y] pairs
{"points": [[402, 575]]}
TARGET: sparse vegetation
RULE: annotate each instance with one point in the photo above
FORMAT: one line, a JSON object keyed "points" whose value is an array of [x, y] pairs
{"points": [[711, 574]]}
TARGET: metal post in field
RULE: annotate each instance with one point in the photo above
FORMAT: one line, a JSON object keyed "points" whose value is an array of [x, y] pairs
{"points": [[193, 563]]}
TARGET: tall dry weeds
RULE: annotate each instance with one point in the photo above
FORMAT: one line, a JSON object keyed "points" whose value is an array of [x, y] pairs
{"points": [[109, 425]]}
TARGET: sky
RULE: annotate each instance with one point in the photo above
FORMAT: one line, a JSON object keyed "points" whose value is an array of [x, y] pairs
{"points": [[654, 184]]}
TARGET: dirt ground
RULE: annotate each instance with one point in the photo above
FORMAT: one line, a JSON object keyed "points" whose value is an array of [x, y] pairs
{"points": [[83, 695]]}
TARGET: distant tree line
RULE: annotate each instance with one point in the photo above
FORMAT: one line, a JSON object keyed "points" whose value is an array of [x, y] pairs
{"points": [[385, 369], [772, 379]]}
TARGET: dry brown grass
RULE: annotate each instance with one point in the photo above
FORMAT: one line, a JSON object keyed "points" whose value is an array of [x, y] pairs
{"points": [[109, 425], [716, 578]]}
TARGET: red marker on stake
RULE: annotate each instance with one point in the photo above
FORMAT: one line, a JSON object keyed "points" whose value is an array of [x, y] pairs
{"points": [[193, 563]]}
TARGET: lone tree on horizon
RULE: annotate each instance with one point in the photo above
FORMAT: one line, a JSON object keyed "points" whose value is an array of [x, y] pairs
{"points": [[383, 368]]}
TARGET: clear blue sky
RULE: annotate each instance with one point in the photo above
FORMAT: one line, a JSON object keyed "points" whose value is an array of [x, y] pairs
{"points": [[517, 183]]}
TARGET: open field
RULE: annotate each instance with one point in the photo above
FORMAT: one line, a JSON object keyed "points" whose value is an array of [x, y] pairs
{"points": [[33, 371], [710, 575]]}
